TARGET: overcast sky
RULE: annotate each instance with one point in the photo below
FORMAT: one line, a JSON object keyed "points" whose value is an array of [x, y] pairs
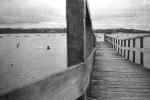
{"points": [[120, 13], [51, 13], [32, 13]]}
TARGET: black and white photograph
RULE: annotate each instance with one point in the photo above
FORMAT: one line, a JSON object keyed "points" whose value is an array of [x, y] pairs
{"points": [[74, 49]]}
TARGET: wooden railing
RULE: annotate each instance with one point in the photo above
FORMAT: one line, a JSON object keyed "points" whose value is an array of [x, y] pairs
{"points": [[135, 48], [66, 85], [72, 83]]}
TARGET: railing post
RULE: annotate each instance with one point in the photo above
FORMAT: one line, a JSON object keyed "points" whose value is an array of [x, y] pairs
{"points": [[124, 53], [141, 53], [133, 50], [118, 45], [114, 43], [80, 37], [75, 31], [104, 36], [121, 47], [89, 35], [128, 56]]}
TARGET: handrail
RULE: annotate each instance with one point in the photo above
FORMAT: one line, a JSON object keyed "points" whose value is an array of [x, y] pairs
{"points": [[70, 84], [133, 48], [65, 85], [127, 38]]}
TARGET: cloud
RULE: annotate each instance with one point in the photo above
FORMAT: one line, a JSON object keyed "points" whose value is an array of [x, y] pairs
{"points": [[31, 11], [120, 13]]}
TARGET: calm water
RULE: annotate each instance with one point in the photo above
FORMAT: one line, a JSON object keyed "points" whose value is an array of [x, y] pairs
{"points": [[99, 37], [26, 58]]}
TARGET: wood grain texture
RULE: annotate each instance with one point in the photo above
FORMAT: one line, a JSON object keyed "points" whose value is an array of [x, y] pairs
{"points": [[115, 78]]}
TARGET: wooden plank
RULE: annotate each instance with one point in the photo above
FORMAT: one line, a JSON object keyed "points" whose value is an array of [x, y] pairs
{"points": [[73, 82], [79, 33], [80, 37], [115, 78], [127, 38], [75, 31], [54, 87]]}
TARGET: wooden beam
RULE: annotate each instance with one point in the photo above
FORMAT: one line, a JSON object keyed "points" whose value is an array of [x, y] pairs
{"points": [[75, 31]]}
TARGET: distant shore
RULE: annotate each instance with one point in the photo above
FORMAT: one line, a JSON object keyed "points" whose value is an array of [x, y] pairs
{"points": [[32, 30], [63, 30], [122, 30]]}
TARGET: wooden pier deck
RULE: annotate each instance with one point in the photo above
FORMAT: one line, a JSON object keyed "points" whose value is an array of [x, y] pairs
{"points": [[115, 78]]}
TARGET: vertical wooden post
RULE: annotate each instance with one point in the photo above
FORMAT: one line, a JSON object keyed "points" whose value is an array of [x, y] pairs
{"points": [[141, 53], [133, 56], [124, 49], [125, 43], [121, 47], [134, 51], [134, 43], [113, 43], [118, 45], [129, 43], [105, 37], [128, 57], [79, 33], [75, 31], [89, 36], [124, 53]]}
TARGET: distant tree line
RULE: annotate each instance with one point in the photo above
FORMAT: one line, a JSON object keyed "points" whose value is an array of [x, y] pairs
{"points": [[63, 30], [122, 30], [32, 30]]}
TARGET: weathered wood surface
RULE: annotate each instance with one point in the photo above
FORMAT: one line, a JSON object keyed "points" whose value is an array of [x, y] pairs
{"points": [[129, 37], [75, 31], [115, 78], [135, 48], [67, 85], [80, 37]]}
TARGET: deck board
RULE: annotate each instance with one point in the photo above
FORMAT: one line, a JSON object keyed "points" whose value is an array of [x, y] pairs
{"points": [[115, 78]]}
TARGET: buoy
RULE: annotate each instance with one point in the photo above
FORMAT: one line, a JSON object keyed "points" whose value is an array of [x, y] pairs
{"points": [[48, 47]]}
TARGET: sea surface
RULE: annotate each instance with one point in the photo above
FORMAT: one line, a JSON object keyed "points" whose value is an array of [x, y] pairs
{"points": [[99, 37], [27, 58]]}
